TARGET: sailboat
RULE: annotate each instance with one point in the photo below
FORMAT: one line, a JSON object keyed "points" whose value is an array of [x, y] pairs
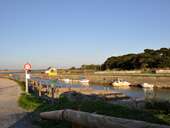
{"points": [[83, 79]]}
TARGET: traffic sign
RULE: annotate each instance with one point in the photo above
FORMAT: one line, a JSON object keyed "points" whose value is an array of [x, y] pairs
{"points": [[52, 73], [27, 66]]}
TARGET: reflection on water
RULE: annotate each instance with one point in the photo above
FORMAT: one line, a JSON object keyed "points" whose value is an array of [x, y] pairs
{"points": [[136, 92]]}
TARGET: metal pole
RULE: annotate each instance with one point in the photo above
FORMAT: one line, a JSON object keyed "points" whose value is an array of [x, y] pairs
{"points": [[26, 81], [52, 87]]}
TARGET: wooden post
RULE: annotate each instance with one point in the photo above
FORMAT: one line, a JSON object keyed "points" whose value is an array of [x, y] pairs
{"points": [[60, 84], [52, 87], [33, 84], [47, 84], [104, 81], [97, 121], [40, 86]]}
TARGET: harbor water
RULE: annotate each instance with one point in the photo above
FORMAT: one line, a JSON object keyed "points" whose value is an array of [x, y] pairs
{"points": [[135, 92]]}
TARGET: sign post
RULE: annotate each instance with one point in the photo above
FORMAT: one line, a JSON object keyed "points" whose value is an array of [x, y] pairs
{"points": [[27, 67], [53, 72]]}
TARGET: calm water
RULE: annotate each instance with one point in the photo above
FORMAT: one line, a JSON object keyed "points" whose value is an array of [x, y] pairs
{"points": [[135, 92], [12, 72]]}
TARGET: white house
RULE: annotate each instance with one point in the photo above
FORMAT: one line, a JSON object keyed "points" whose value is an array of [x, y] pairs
{"points": [[50, 69]]}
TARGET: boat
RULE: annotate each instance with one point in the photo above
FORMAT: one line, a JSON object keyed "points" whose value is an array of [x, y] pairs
{"points": [[67, 80], [84, 83], [146, 85], [83, 80], [120, 83]]}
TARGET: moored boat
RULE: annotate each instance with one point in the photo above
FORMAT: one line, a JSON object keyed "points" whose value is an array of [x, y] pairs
{"points": [[120, 83], [83, 80], [146, 85], [67, 80]]}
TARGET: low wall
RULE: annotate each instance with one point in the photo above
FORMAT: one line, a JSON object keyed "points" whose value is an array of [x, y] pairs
{"points": [[117, 72], [162, 71]]}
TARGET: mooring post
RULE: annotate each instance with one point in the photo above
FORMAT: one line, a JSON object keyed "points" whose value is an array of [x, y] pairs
{"points": [[52, 87], [104, 81], [40, 88], [60, 84], [33, 84], [47, 84]]}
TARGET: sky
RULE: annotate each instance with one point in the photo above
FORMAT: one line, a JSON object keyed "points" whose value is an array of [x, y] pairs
{"points": [[70, 33]]}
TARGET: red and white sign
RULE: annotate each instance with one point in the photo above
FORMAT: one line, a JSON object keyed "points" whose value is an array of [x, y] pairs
{"points": [[27, 66]]}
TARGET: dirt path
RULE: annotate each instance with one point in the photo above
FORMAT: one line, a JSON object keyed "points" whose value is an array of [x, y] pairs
{"points": [[11, 115]]}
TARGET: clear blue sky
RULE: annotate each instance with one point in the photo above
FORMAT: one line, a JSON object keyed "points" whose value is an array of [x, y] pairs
{"points": [[66, 33]]}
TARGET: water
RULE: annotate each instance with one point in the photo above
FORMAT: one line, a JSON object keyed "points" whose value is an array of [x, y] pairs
{"points": [[136, 92], [12, 72]]}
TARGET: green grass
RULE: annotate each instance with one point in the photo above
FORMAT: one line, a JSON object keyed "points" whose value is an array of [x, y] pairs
{"points": [[30, 102]]}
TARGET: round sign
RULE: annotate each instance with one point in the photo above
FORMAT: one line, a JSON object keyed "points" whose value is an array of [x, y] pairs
{"points": [[27, 66]]}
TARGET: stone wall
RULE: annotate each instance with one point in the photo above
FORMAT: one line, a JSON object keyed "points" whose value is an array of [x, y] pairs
{"points": [[117, 72], [162, 71]]}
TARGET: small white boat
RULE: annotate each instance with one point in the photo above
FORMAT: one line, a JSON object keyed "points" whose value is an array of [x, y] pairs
{"points": [[67, 80], [146, 85], [85, 83], [120, 83], [83, 80]]}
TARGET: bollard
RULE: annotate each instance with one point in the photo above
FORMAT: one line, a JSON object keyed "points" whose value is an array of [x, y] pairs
{"points": [[40, 85], [47, 84]]}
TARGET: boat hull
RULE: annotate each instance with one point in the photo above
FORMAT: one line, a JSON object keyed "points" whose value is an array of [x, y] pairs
{"points": [[84, 81], [117, 85], [146, 85]]}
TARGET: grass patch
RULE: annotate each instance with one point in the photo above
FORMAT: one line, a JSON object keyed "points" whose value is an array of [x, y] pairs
{"points": [[30, 102]]}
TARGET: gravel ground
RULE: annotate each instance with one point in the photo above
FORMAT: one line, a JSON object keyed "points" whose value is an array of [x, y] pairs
{"points": [[11, 115]]}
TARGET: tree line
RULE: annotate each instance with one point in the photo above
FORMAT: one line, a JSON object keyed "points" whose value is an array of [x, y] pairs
{"points": [[149, 59], [87, 67]]}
